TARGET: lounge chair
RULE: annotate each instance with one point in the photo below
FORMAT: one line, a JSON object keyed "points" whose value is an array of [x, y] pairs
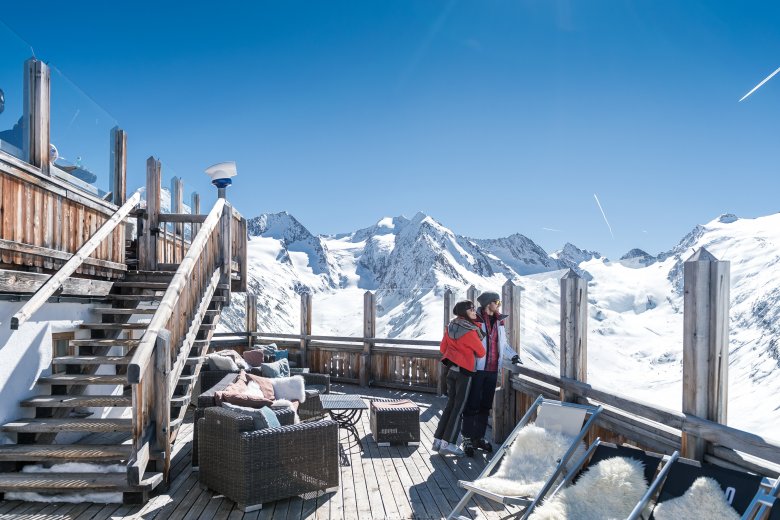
{"points": [[559, 429], [606, 482], [691, 491]]}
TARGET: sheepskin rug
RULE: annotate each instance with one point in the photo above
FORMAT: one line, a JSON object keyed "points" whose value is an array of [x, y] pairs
{"points": [[529, 462], [704, 499], [608, 490]]}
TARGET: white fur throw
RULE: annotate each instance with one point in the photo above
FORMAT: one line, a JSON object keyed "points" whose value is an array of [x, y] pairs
{"points": [[529, 462], [291, 388], [284, 403], [609, 490], [704, 499]]}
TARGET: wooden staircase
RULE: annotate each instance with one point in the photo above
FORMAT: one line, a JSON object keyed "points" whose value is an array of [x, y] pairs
{"points": [[124, 387], [80, 380]]}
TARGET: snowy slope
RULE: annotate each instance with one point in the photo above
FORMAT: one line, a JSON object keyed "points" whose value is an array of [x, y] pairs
{"points": [[635, 321]]}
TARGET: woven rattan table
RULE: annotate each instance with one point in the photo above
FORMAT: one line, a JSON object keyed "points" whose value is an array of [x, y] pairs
{"points": [[346, 410]]}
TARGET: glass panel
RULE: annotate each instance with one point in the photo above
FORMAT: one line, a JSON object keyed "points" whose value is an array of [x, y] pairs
{"points": [[14, 53], [540, 308], [337, 313], [81, 135]]}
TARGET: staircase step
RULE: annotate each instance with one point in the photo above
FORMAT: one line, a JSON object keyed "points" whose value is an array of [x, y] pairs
{"points": [[180, 400], [65, 401], [114, 326], [134, 297], [160, 286], [65, 452], [112, 310], [83, 379], [64, 482], [195, 360], [69, 425], [105, 342], [91, 360]]}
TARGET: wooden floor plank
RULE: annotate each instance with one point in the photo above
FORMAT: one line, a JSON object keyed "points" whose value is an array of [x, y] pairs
{"points": [[379, 482]]}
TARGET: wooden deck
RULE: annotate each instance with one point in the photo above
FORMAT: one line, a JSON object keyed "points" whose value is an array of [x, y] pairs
{"points": [[381, 483]]}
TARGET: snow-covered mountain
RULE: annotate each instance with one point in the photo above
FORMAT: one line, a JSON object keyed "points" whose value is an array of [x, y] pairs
{"points": [[635, 327]]}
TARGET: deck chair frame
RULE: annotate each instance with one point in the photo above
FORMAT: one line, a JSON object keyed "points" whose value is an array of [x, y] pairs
{"points": [[763, 501], [666, 460], [529, 503]]}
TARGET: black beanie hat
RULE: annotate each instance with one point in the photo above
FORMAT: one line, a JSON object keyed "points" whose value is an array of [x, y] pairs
{"points": [[486, 297]]}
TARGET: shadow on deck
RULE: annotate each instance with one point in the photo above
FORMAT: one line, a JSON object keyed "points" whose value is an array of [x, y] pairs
{"points": [[380, 483]]}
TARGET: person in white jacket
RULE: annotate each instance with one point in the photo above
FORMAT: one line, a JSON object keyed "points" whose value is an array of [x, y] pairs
{"points": [[483, 383]]}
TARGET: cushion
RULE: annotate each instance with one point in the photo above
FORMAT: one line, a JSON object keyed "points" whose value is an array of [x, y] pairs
{"points": [[218, 362], [239, 394], [262, 417], [254, 357], [704, 499], [279, 368], [393, 405], [265, 384], [290, 388], [285, 403], [280, 354]]}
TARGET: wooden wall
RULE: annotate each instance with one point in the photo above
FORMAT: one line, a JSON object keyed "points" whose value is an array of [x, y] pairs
{"points": [[43, 222]]}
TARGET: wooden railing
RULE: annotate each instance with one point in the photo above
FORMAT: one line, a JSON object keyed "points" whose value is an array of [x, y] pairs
{"points": [[56, 281], [158, 360]]}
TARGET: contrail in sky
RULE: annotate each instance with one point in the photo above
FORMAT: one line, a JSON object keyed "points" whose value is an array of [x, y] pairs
{"points": [[759, 85], [603, 215], [551, 229]]}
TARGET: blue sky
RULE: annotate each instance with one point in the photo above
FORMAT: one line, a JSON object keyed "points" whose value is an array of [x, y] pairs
{"points": [[494, 117]]}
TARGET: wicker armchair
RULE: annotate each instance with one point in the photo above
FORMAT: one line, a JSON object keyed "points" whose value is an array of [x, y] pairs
{"points": [[252, 467], [309, 410]]}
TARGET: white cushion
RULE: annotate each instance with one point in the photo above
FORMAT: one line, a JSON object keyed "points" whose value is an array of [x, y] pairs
{"points": [[290, 388], [252, 388], [222, 363], [704, 499]]}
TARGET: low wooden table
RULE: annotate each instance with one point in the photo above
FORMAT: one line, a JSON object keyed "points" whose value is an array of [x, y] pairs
{"points": [[346, 410]]}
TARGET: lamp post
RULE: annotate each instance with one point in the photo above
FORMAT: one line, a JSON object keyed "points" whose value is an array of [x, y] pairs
{"points": [[221, 174]]}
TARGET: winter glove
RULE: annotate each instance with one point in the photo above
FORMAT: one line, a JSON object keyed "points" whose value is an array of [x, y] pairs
{"points": [[516, 360]]}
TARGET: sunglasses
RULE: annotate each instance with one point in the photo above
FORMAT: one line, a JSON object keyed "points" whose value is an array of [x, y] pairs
{"points": [[497, 302]]}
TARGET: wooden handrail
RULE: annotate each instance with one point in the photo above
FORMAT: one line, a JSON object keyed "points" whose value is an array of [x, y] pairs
{"points": [[57, 279], [143, 353], [348, 339]]}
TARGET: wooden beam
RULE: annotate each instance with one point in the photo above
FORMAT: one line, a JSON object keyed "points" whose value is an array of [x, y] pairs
{"points": [[37, 113], [162, 399], [369, 330], [177, 201], [471, 294], [56, 281], [705, 343], [504, 418], [306, 323], [181, 218], [574, 329], [28, 249], [20, 282], [118, 178]]}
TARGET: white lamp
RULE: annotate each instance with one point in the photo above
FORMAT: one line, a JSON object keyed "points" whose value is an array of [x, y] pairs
{"points": [[221, 174]]}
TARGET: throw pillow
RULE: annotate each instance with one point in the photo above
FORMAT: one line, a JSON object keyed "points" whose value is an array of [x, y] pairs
{"points": [[265, 384], [290, 388], [279, 368], [254, 357], [217, 362], [280, 354], [260, 417]]}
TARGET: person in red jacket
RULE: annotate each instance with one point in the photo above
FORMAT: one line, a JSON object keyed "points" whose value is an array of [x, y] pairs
{"points": [[460, 348]]}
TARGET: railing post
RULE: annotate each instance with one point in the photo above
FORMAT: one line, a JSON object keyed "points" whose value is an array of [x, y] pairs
{"points": [[162, 400], [118, 179], [441, 381], [505, 411], [37, 113], [369, 331], [251, 319], [574, 329], [306, 309], [195, 208], [705, 344], [177, 201], [471, 294], [227, 257], [148, 254]]}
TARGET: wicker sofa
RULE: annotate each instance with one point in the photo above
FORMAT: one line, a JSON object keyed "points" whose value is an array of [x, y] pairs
{"points": [[308, 410], [252, 467]]}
